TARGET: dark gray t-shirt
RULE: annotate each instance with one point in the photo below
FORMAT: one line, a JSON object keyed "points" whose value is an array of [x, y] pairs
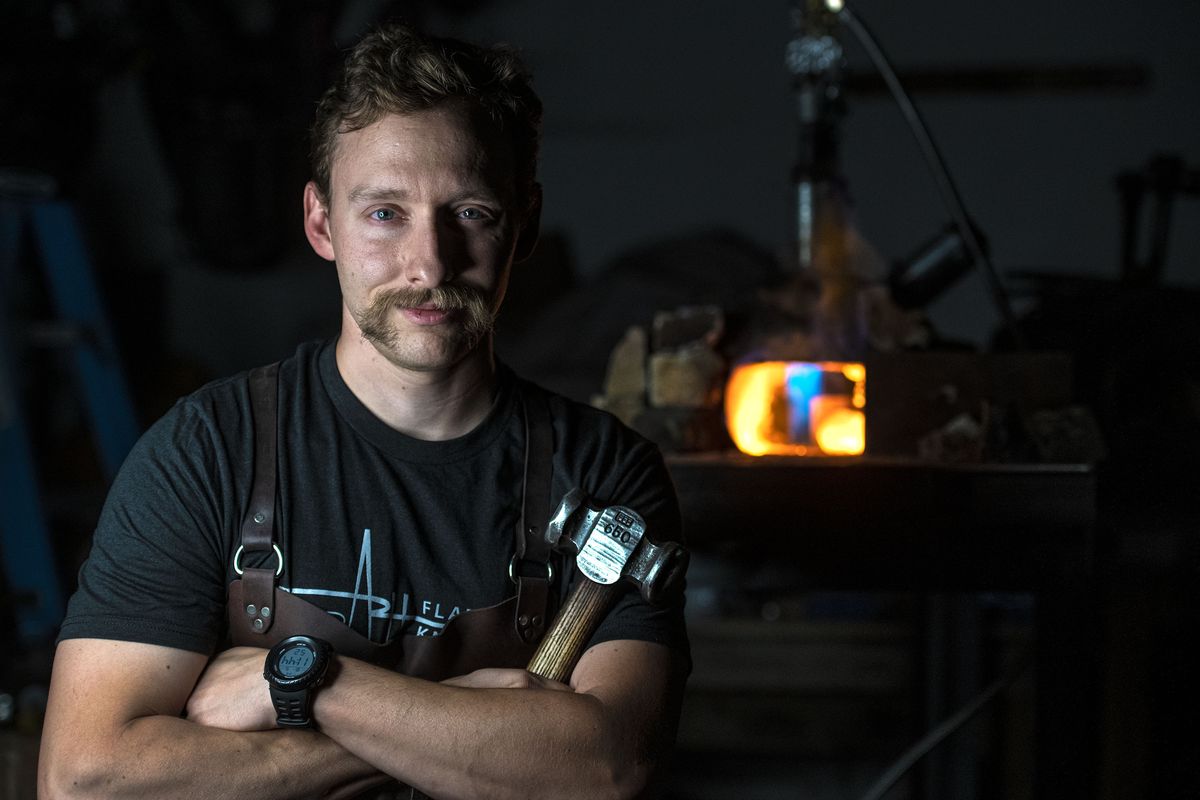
{"points": [[391, 534]]}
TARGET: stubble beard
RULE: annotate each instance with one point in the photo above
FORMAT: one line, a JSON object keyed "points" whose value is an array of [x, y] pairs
{"points": [[474, 318]]}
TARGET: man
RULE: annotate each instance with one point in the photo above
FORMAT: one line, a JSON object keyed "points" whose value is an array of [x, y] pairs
{"points": [[402, 452]]}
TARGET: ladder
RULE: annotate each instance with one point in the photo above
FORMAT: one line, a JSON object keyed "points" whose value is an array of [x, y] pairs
{"points": [[30, 211]]}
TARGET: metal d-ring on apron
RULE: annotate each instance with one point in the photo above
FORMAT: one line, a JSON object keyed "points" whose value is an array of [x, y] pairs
{"points": [[505, 635]]}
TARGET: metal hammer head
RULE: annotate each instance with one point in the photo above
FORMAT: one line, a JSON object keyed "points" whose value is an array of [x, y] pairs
{"points": [[610, 544]]}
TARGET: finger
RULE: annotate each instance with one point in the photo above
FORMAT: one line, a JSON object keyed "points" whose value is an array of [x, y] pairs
{"points": [[538, 682]]}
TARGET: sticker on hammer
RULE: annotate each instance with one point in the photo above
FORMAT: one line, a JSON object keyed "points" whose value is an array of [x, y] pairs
{"points": [[612, 540]]}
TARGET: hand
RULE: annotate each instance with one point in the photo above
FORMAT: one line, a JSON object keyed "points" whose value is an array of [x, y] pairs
{"points": [[232, 692], [504, 679]]}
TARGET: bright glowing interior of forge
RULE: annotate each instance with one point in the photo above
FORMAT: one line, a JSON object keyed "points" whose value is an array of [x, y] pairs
{"points": [[797, 408]]}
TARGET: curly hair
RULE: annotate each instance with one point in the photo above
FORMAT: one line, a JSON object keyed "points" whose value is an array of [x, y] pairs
{"points": [[397, 70]]}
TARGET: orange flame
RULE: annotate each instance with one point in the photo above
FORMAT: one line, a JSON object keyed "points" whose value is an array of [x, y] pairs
{"points": [[797, 408]]}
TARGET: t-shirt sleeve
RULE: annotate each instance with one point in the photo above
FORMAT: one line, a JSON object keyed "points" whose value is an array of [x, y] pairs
{"points": [[156, 570], [626, 469]]}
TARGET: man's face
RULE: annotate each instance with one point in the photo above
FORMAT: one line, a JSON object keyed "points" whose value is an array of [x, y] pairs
{"points": [[423, 221]]}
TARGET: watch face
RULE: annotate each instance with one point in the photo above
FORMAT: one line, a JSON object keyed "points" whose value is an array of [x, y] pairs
{"points": [[296, 661]]}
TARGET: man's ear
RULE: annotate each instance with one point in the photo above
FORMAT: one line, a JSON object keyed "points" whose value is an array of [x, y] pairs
{"points": [[531, 226], [316, 222]]}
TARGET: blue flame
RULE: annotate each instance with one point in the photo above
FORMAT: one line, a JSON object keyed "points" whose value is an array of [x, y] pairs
{"points": [[801, 384]]}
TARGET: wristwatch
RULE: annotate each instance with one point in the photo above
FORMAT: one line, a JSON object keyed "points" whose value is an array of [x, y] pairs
{"points": [[294, 669]]}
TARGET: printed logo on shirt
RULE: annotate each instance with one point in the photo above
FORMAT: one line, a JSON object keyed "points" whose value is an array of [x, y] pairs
{"points": [[385, 617]]}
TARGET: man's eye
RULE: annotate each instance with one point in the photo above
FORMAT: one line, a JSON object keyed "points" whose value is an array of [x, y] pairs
{"points": [[470, 212], [383, 214]]}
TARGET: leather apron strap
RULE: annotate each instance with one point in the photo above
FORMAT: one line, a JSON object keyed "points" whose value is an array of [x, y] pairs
{"points": [[258, 526], [531, 567]]}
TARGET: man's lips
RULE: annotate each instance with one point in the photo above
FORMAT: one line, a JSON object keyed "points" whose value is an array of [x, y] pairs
{"points": [[427, 316]]}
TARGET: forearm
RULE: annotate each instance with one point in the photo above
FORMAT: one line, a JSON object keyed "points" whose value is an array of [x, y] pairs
{"points": [[167, 757], [455, 742]]}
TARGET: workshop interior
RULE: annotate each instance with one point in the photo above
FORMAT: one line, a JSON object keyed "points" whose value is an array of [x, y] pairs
{"points": [[907, 293]]}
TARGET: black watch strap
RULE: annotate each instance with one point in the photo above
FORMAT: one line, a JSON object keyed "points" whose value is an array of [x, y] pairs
{"points": [[293, 709]]}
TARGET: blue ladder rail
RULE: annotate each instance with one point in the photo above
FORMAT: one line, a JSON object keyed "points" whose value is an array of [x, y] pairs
{"points": [[25, 544]]}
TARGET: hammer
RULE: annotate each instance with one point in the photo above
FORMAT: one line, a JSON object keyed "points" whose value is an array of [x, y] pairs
{"points": [[609, 544]]}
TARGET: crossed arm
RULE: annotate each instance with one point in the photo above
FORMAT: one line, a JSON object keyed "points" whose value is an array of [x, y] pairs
{"points": [[113, 727]]}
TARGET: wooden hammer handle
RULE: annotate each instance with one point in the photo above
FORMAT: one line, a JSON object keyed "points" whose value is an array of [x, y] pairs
{"points": [[572, 628]]}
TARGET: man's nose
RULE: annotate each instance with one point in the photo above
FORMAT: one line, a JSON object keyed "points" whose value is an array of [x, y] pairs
{"points": [[429, 254]]}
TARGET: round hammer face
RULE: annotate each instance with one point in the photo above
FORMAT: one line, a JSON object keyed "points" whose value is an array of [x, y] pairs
{"points": [[610, 543]]}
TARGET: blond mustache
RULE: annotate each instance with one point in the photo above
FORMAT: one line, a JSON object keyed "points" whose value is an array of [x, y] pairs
{"points": [[450, 297], [478, 318]]}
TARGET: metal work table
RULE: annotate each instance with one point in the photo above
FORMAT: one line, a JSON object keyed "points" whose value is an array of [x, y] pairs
{"points": [[867, 524]]}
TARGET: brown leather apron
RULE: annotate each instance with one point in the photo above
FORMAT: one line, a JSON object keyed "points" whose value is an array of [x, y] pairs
{"points": [[504, 635]]}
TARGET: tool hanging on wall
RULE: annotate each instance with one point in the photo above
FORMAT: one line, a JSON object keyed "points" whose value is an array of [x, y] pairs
{"points": [[1164, 178], [30, 209]]}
